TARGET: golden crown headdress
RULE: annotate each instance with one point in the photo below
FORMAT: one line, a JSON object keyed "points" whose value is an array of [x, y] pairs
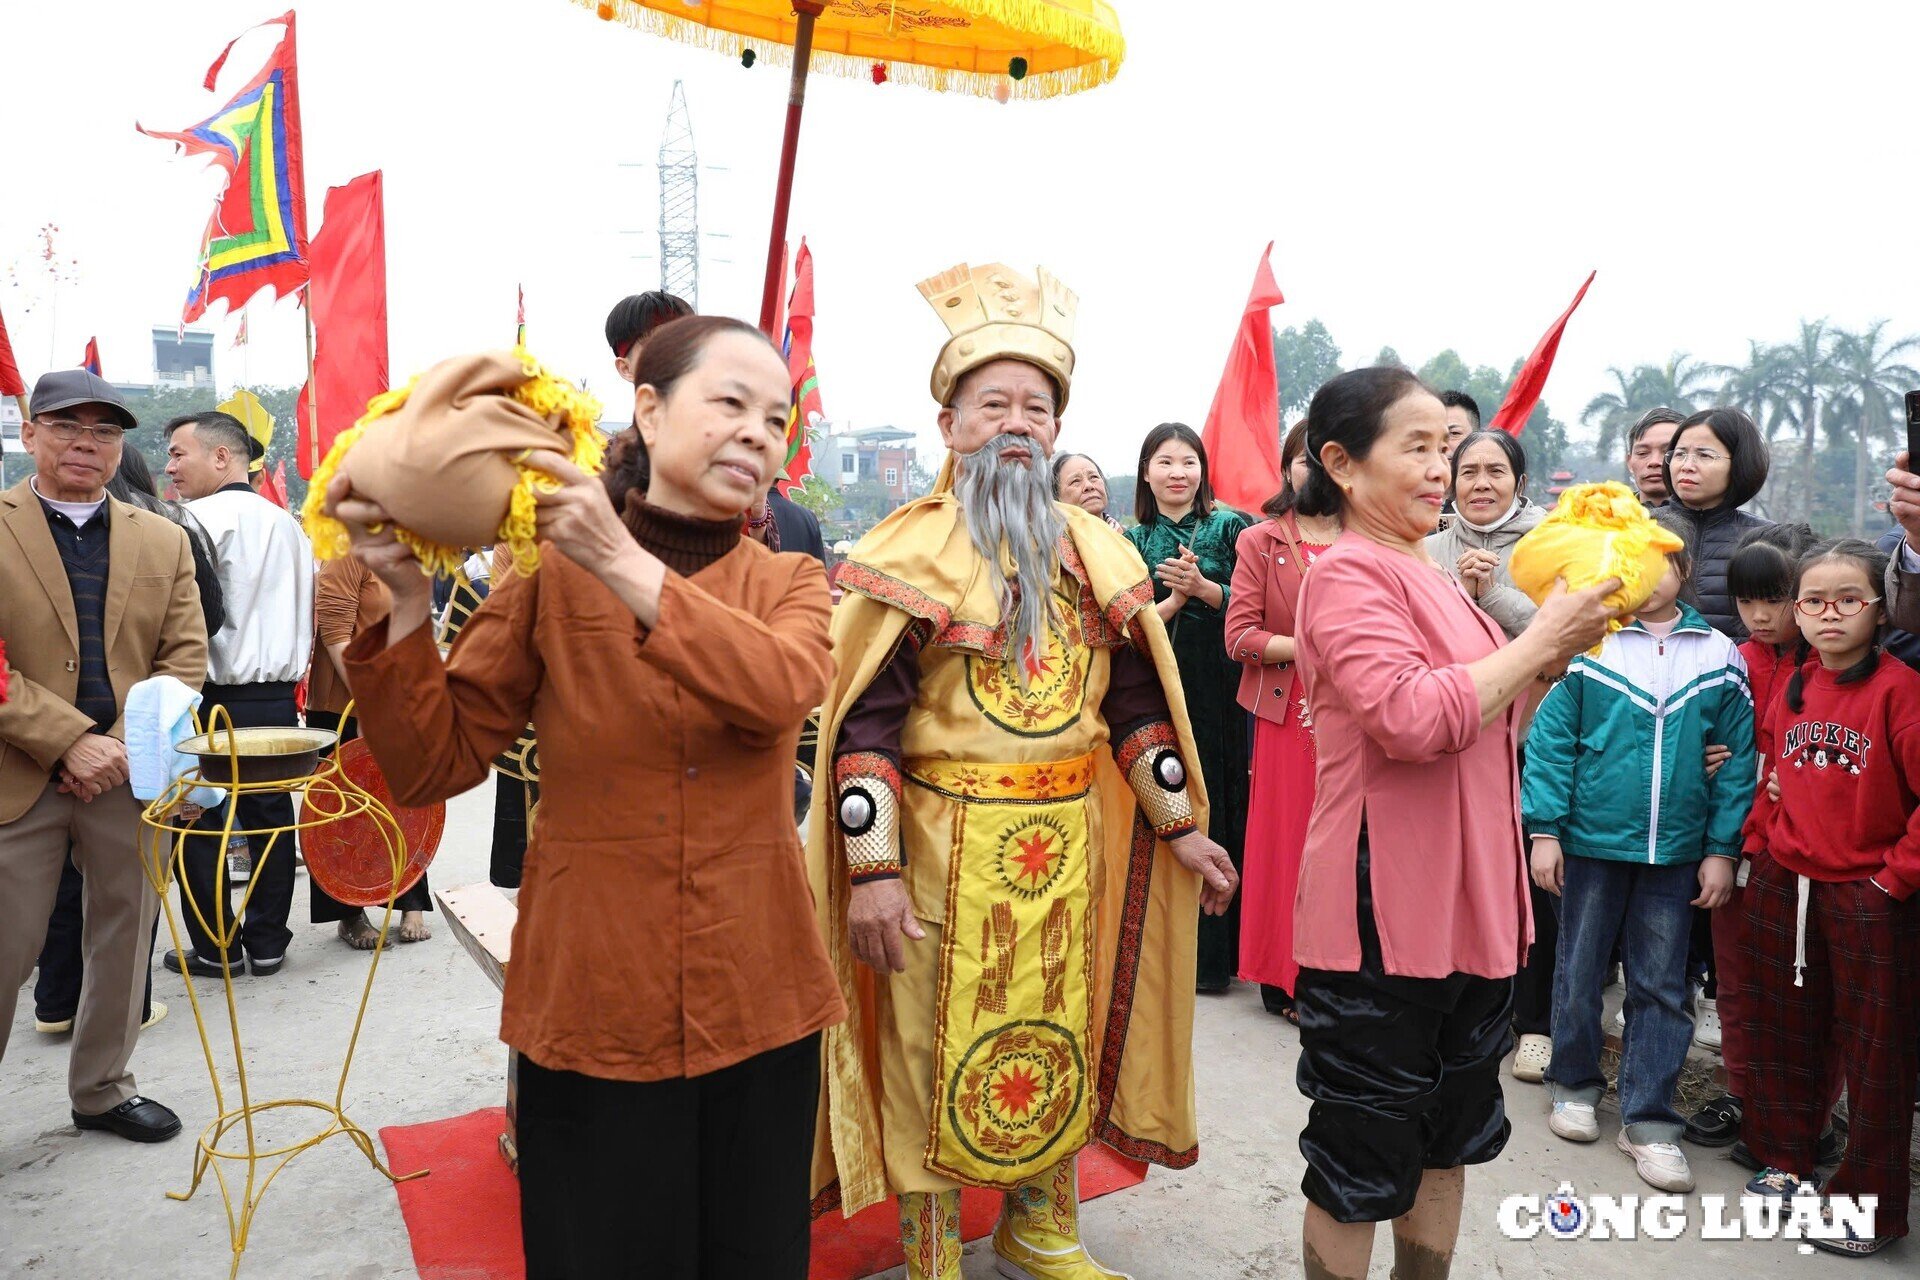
{"points": [[995, 313]]}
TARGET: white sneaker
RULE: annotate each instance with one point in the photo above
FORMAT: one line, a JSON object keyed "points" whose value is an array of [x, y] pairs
{"points": [[1660, 1164], [1706, 1032], [1532, 1058], [1574, 1121]]}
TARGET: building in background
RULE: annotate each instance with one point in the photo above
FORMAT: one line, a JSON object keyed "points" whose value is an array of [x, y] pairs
{"points": [[880, 455], [182, 358]]}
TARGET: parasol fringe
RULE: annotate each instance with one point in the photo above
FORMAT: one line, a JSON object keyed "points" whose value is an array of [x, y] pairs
{"points": [[1107, 46]]}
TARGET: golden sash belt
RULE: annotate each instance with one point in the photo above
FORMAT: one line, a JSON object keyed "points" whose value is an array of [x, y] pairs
{"points": [[969, 780]]}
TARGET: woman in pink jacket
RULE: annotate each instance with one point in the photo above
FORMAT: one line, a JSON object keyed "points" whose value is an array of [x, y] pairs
{"points": [[1271, 560], [1413, 912]]}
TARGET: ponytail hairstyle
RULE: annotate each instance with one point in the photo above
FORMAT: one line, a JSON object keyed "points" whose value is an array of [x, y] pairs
{"points": [[1282, 502], [670, 353], [1349, 410], [1873, 562]]}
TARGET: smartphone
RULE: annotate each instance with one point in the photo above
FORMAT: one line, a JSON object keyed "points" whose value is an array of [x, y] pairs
{"points": [[1913, 430]]}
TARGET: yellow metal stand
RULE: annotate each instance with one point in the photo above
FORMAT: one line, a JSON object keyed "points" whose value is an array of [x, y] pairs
{"points": [[162, 851]]}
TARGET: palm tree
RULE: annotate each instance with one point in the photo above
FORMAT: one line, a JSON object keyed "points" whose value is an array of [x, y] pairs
{"points": [[1760, 389], [1870, 378], [1613, 412], [1680, 384], [1808, 373]]}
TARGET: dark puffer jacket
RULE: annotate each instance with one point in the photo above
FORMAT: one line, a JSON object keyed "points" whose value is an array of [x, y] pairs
{"points": [[1716, 536]]}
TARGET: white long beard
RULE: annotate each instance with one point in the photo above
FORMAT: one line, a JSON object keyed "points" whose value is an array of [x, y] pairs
{"points": [[1009, 509]]}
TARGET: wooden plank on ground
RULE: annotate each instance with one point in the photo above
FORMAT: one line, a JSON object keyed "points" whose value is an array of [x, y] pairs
{"points": [[482, 918]]}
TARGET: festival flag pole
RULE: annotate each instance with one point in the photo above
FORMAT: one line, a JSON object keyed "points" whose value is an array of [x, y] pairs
{"points": [[804, 11]]}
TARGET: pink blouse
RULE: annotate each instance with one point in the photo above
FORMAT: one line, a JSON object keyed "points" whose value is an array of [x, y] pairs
{"points": [[1383, 646]]}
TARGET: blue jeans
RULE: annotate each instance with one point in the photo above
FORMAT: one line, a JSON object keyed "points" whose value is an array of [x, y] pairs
{"points": [[1646, 910]]}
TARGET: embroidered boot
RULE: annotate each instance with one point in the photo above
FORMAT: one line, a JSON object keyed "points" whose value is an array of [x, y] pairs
{"points": [[1038, 1237], [930, 1234]]}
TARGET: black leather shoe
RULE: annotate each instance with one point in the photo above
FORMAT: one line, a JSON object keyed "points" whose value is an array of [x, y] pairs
{"points": [[195, 965], [265, 967], [1717, 1124], [137, 1120]]}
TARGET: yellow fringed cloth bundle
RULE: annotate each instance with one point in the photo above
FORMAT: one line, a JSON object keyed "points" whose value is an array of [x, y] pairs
{"points": [[1595, 532], [444, 455]]}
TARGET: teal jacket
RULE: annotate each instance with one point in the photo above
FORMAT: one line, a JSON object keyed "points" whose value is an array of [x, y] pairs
{"points": [[1616, 757]]}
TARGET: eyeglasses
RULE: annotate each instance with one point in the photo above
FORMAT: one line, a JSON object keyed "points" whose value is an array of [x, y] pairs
{"points": [[66, 431], [1702, 457], [1845, 606]]}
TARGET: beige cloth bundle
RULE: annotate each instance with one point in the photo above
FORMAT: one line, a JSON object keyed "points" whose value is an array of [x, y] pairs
{"points": [[444, 457]]}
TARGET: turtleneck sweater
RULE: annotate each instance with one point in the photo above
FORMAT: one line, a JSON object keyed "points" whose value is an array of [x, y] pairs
{"points": [[684, 544]]}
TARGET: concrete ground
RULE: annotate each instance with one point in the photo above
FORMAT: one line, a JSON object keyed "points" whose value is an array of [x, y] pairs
{"points": [[77, 1206]]}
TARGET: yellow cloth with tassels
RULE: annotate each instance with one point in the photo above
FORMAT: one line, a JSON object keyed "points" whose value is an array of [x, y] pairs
{"points": [[1052, 1002], [1595, 532]]}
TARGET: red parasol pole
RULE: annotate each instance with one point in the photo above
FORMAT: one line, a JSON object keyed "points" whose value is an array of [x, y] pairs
{"points": [[806, 11]]}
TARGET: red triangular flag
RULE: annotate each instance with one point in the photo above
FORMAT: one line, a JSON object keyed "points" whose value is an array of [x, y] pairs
{"points": [[91, 361], [273, 484], [11, 383], [1532, 378], [1242, 435], [347, 297]]}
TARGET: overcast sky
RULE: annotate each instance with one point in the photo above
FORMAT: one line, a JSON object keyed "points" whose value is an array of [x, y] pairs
{"points": [[1434, 175]]}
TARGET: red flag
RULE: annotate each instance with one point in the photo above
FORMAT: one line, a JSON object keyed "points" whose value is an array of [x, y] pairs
{"points": [[273, 484], [91, 361], [1242, 434], [10, 380], [347, 300], [1532, 378], [805, 410], [257, 237]]}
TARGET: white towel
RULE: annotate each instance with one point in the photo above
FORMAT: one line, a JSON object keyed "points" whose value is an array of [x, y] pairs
{"points": [[159, 714]]}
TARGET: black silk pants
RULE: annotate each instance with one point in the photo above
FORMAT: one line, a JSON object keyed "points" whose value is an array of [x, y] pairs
{"points": [[695, 1178]]}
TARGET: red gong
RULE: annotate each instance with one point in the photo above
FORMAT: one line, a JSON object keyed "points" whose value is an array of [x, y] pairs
{"points": [[350, 856]]}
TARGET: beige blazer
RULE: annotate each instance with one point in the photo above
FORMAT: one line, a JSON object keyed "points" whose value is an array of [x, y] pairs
{"points": [[153, 627]]}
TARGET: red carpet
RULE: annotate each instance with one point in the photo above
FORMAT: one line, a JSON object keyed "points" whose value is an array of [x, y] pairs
{"points": [[464, 1220]]}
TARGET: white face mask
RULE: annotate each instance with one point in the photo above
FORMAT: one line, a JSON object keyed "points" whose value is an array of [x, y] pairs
{"points": [[1512, 511]]}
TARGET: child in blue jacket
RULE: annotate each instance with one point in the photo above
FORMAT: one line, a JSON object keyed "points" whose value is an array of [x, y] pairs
{"points": [[1632, 832]]}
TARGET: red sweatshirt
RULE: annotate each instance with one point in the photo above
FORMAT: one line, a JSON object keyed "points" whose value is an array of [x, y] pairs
{"points": [[1767, 672], [1849, 767]]}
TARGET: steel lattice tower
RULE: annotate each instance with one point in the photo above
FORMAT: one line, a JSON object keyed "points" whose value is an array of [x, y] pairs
{"points": [[679, 203]]}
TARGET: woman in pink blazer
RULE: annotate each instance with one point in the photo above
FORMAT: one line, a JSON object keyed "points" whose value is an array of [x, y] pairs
{"points": [[1271, 560], [1412, 914]]}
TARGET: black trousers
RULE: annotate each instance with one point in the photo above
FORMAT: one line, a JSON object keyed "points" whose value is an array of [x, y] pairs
{"points": [[510, 796], [264, 934], [56, 992], [1533, 987], [323, 907], [700, 1178]]}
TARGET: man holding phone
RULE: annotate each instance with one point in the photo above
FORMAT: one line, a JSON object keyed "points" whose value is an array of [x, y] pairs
{"points": [[1903, 574]]}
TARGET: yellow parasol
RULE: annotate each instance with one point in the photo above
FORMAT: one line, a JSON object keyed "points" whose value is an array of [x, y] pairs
{"points": [[993, 48]]}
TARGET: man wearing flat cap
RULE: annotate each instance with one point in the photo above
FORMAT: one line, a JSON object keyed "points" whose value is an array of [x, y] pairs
{"points": [[1007, 845], [95, 596]]}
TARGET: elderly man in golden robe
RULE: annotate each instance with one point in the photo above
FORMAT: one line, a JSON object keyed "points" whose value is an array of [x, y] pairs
{"points": [[1007, 848]]}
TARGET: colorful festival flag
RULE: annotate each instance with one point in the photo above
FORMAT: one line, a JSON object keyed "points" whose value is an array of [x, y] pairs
{"points": [[805, 412], [91, 361], [1242, 434], [520, 316], [1532, 378], [11, 383], [240, 334], [257, 237], [347, 299]]}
